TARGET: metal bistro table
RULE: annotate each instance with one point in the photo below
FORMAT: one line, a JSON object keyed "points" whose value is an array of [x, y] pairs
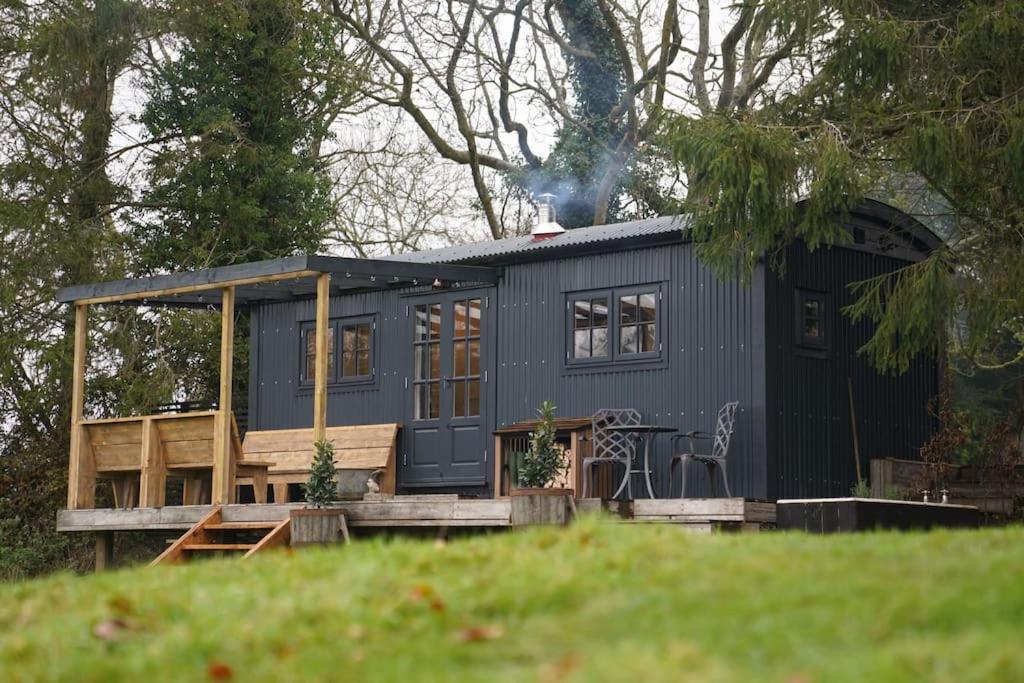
{"points": [[647, 432]]}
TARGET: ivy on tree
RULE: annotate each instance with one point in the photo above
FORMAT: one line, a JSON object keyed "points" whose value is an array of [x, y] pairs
{"points": [[583, 145]]}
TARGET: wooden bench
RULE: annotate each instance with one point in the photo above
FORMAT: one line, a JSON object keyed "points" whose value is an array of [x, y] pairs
{"points": [[359, 451], [138, 454]]}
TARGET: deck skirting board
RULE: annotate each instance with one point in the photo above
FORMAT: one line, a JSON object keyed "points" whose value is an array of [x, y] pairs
{"points": [[467, 513], [704, 510], [419, 511]]}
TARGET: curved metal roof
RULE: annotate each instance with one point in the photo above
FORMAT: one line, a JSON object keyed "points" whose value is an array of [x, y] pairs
{"points": [[651, 230], [647, 232]]}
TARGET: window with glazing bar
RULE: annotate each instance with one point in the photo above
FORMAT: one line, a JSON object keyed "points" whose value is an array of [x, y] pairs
{"points": [[614, 325], [426, 382], [465, 380], [811, 320], [351, 340]]}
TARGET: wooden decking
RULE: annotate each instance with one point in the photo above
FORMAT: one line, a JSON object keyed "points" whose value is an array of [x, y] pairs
{"points": [[698, 514]]}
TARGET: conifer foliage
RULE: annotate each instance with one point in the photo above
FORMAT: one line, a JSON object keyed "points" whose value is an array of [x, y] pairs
{"points": [[545, 460], [322, 486], [915, 103]]}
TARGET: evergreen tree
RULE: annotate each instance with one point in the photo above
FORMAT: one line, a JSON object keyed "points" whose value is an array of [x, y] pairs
{"points": [[60, 62], [907, 95], [322, 486], [545, 460], [241, 107], [917, 103]]}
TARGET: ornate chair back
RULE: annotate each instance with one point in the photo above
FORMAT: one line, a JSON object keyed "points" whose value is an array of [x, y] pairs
{"points": [[723, 429], [612, 445]]}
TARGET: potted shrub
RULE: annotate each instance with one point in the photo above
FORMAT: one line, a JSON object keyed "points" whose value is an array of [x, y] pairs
{"points": [[534, 499], [319, 522]]}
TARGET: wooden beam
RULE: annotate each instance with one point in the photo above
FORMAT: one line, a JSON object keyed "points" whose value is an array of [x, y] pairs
{"points": [[279, 536], [197, 534], [206, 279], [323, 301], [188, 289], [104, 551], [223, 453], [429, 510], [153, 477], [81, 469]]}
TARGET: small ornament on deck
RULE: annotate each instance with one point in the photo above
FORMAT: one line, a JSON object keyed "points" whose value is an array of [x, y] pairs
{"points": [[373, 487], [372, 484]]}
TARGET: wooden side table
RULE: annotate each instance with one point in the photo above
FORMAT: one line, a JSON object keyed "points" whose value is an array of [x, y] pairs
{"points": [[572, 433]]}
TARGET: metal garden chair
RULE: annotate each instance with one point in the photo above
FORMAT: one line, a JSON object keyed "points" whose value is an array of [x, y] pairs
{"points": [[719, 450], [612, 447]]}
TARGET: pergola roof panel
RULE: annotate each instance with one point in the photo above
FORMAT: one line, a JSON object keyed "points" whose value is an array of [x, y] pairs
{"points": [[283, 279]]}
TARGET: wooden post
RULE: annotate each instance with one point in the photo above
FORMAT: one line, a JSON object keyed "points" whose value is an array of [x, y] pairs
{"points": [[153, 477], [81, 469], [498, 454], [323, 301], [853, 428], [223, 455], [104, 551]]}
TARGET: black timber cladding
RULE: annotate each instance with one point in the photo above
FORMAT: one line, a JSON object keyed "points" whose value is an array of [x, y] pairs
{"points": [[712, 345], [810, 438], [722, 341]]}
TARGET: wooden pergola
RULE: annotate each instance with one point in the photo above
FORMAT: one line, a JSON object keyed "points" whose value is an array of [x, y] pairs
{"points": [[233, 288]]}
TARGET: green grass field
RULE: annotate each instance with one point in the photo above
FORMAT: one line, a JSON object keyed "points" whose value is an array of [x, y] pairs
{"points": [[597, 602]]}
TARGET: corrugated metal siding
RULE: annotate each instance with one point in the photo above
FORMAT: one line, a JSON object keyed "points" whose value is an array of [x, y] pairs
{"points": [[712, 343], [809, 433], [281, 404]]}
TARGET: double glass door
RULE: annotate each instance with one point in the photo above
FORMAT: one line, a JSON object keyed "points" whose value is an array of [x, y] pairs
{"points": [[447, 402]]}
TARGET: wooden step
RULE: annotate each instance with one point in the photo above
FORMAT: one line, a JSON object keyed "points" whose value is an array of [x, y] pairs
{"points": [[218, 546], [237, 526]]}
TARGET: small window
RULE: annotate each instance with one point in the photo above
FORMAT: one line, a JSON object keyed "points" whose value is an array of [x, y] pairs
{"points": [[465, 379], [613, 325], [590, 327], [349, 340], [637, 323], [309, 358], [355, 350], [426, 379], [811, 327]]}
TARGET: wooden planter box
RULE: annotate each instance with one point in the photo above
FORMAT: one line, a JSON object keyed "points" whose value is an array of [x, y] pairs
{"points": [[316, 527], [532, 507]]}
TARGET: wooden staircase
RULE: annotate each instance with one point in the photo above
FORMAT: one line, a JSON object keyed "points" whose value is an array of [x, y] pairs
{"points": [[213, 536]]}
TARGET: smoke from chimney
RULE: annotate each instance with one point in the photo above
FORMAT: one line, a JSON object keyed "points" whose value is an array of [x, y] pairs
{"points": [[546, 225]]}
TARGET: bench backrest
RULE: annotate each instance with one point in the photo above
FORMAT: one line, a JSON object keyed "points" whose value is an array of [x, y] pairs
{"points": [[116, 446], [185, 441], [356, 447]]}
